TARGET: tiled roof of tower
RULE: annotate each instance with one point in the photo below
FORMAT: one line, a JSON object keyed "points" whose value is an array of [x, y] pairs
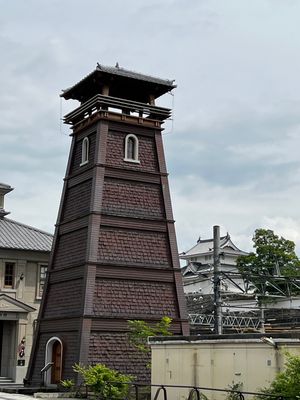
{"points": [[121, 76], [14, 235], [135, 75]]}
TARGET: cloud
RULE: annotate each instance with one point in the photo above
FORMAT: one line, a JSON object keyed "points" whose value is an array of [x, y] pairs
{"points": [[232, 149]]}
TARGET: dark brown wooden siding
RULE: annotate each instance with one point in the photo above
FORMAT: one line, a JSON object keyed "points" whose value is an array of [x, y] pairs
{"points": [[147, 152], [134, 299], [114, 350], [64, 299], [77, 154], [71, 249], [132, 199], [77, 201], [133, 247]]}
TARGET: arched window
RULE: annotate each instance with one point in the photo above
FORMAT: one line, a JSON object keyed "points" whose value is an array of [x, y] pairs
{"points": [[54, 355], [85, 151], [131, 149]]}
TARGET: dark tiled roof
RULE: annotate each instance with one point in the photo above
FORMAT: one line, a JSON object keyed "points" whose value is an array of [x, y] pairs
{"points": [[206, 246], [122, 83], [14, 235], [135, 75], [127, 74]]}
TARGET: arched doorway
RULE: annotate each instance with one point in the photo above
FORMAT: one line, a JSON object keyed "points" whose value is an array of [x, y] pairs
{"points": [[54, 354]]}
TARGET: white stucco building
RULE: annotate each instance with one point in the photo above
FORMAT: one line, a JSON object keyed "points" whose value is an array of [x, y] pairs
{"points": [[251, 361], [24, 254]]}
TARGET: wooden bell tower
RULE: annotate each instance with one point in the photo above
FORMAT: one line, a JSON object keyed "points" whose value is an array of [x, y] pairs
{"points": [[114, 255]]}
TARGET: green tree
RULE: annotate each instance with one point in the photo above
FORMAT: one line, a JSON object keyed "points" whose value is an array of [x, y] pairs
{"points": [[139, 331], [273, 255], [286, 383]]}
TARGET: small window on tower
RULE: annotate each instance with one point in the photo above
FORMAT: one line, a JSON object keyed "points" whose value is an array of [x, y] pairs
{"points": [[85, 151], [131, 149]]}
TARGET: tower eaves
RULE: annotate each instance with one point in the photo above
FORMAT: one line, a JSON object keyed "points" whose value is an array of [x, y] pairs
{"points": [[122, 83]]}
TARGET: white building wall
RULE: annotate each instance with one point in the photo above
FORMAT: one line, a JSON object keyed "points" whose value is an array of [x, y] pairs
{"points": [[20, 325], [218, 364]]}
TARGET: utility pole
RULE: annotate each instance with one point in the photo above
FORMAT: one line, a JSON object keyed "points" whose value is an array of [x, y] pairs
{"points": [[217, 294], [262, 317]]}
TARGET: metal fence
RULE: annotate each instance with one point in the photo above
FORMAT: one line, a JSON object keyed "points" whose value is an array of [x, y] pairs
{"points": [[143, 391], [172, 392]]}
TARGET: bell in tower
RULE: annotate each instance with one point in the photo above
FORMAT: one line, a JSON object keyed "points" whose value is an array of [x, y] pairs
{"points": [[114, 256]]}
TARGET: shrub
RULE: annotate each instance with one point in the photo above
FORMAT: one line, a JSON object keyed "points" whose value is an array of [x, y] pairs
{"points": [[104, 382], [68, 384], [234, 395], [287, 383]]}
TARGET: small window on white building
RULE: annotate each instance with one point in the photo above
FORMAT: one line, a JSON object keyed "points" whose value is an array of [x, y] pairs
{"points": [[131, 149], [85, 151], [42, 272], [9, 275]]}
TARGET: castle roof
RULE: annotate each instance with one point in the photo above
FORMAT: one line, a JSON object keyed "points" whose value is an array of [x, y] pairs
{"points": [[206, 246]]}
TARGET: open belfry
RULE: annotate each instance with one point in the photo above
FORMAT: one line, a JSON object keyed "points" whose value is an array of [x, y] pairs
{"points": [[115, 255]]}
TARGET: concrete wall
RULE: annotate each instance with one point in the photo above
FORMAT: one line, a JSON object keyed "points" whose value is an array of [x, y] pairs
{"points": [[218, 363]]}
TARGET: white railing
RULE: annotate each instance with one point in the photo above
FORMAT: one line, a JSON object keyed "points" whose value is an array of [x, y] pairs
{"points": [[228, 321]]}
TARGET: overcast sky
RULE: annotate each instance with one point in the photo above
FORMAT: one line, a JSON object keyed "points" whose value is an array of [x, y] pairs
{"points": [[233, 147]]}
